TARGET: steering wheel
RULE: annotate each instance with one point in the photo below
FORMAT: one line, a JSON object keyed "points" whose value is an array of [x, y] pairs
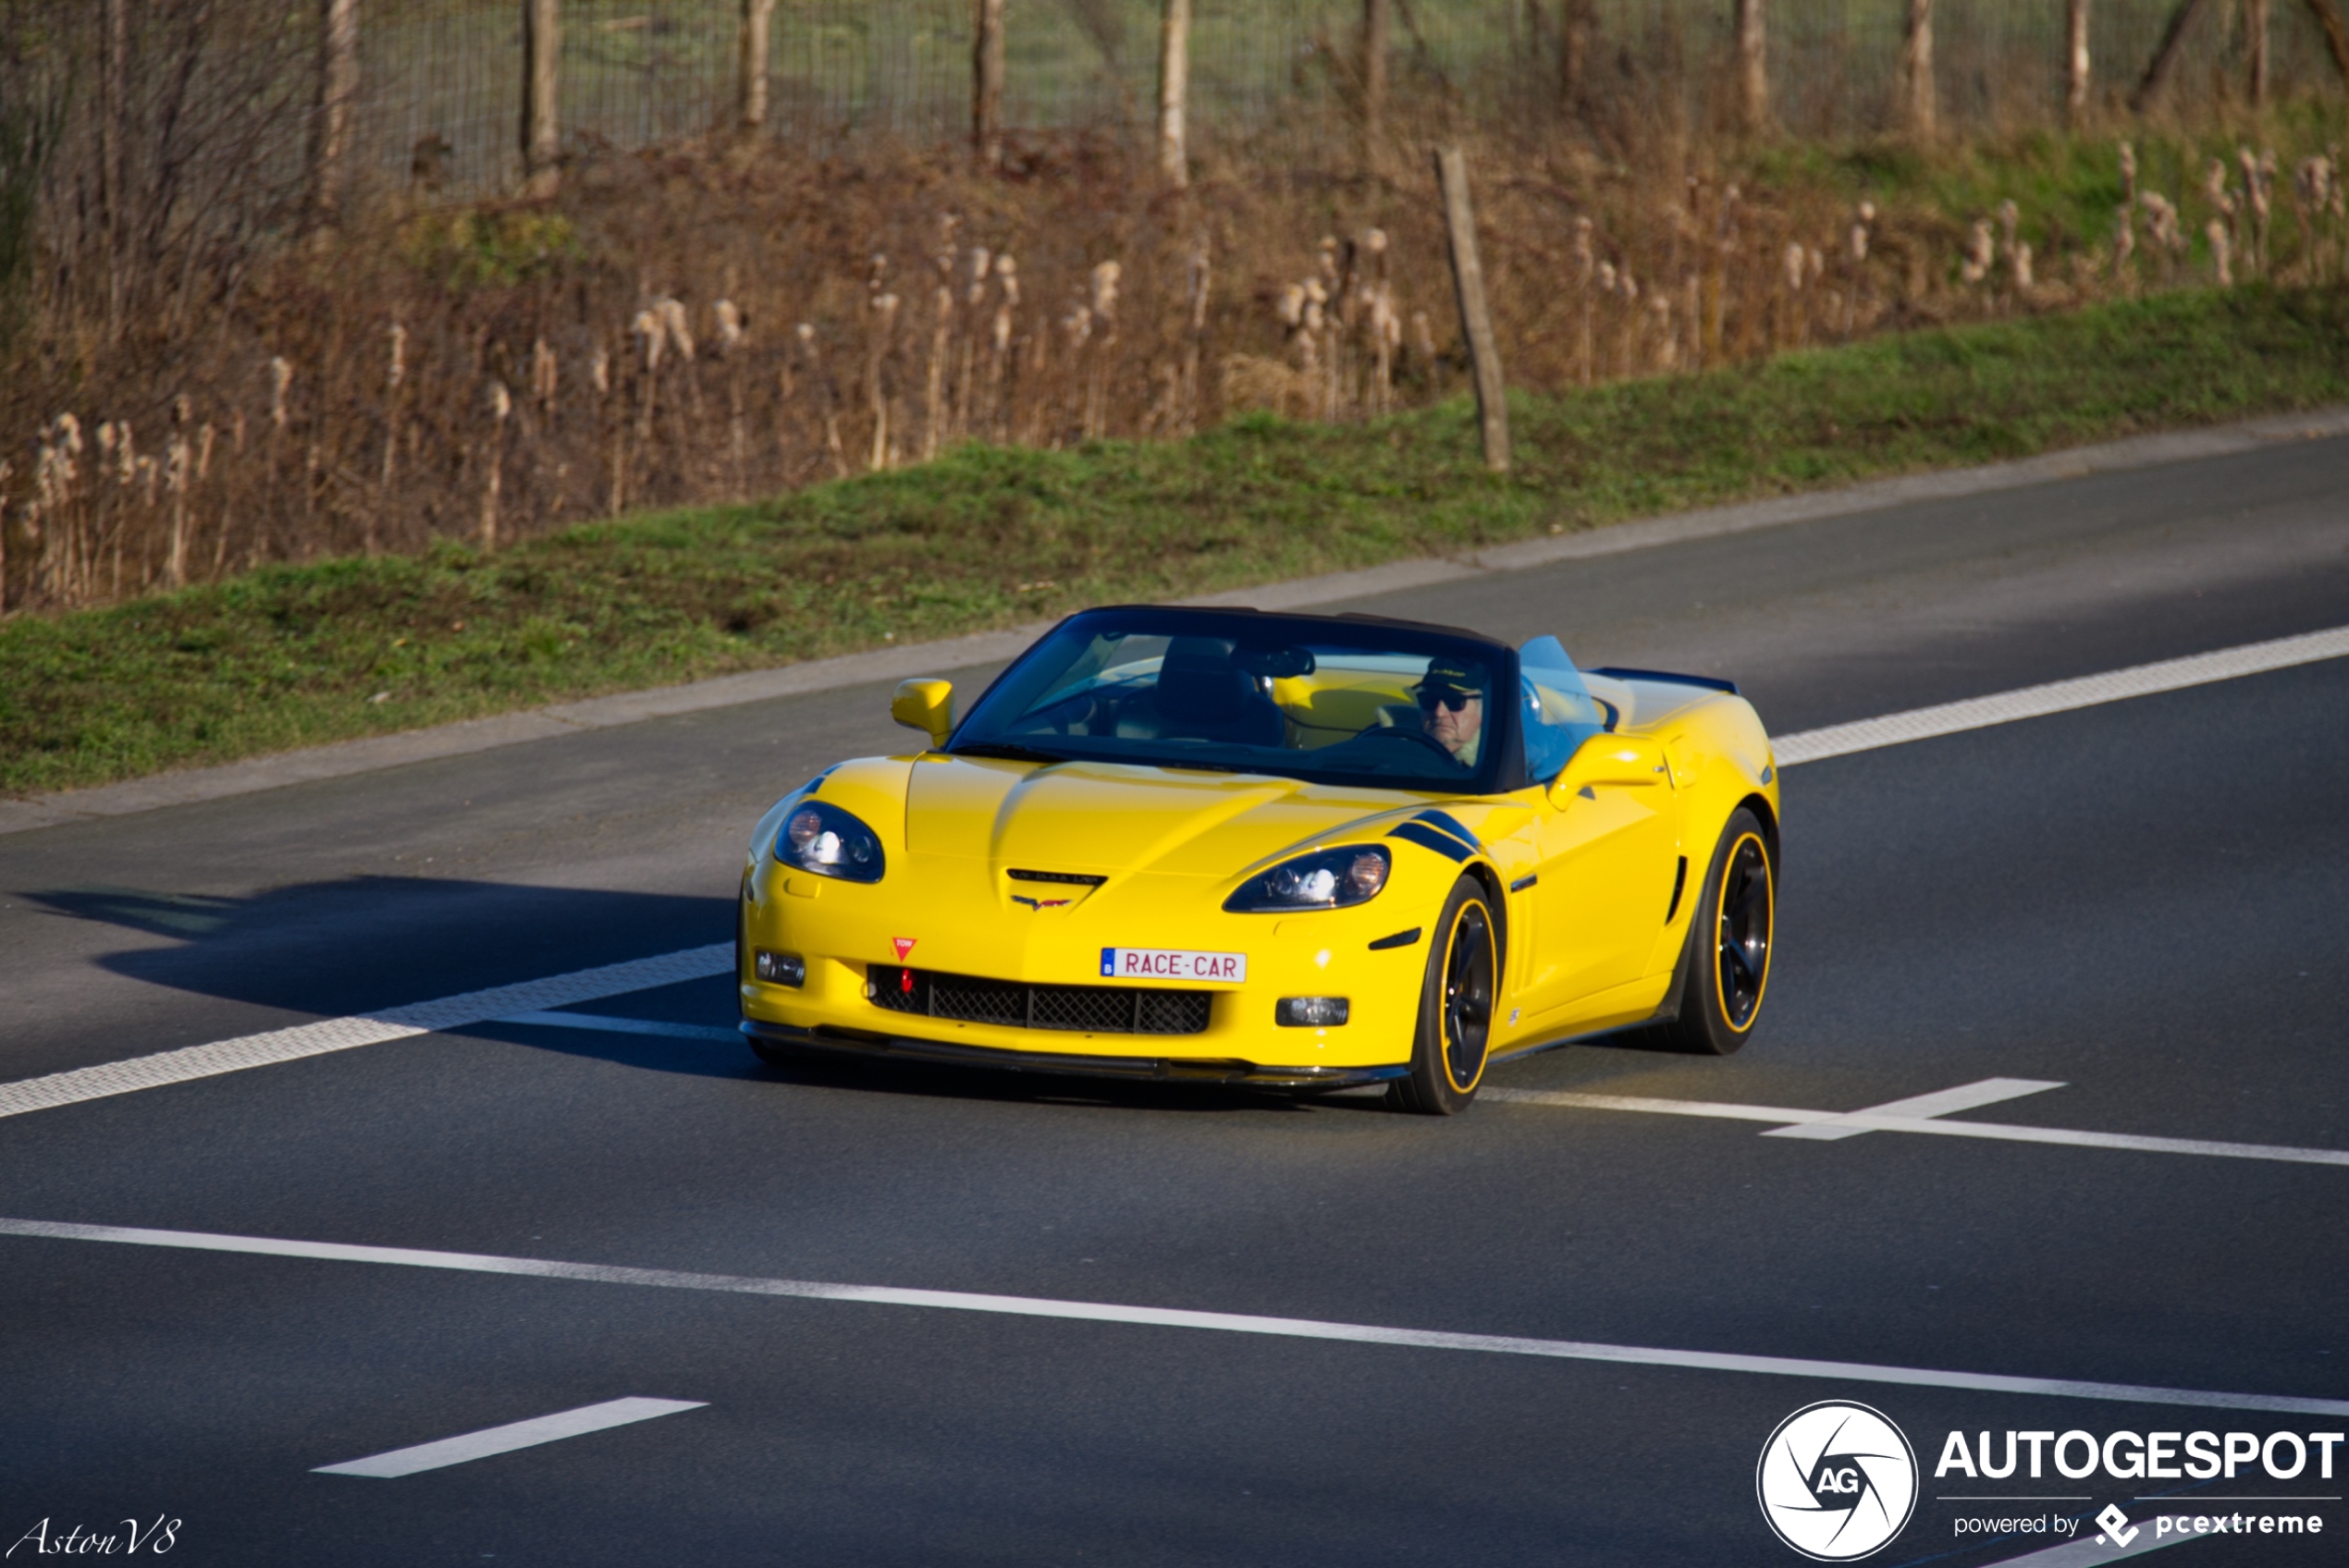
{"points": [[1425, 739]]}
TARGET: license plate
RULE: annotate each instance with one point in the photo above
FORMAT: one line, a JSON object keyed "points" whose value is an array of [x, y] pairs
{"points": [[1174, 963]]}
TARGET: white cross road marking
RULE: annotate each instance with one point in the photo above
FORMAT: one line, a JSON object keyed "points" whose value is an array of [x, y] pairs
{"points": [[1180, 1318], [370, 1029], [453, 1013], [1876, 1122], [514, 1435], [2060, 696], [605, 1023], [1943, 1102]]}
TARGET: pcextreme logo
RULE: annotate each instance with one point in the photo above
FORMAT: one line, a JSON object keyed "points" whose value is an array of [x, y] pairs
{"points": [[1837, 1480]]}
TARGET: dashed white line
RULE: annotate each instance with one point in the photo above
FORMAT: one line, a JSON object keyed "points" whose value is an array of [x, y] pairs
{"points": [[2059, 696], [1941, 1102], [604, 1023], [505, 1439], [1178, 1318], [1866, 1121], [370, 1029], [2085, 1550]]}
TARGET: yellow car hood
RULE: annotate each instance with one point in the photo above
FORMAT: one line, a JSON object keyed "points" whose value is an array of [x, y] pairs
{"points": [[1104, 819]]}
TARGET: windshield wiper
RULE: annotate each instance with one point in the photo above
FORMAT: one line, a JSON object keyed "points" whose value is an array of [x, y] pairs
{"points": [[1006, 750]]}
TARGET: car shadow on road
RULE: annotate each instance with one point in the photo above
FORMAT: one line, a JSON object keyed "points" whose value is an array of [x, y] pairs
{"points": [[365, 944]]}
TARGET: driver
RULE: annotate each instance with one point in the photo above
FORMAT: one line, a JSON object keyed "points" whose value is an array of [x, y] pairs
{"points": [[1452, 708]]}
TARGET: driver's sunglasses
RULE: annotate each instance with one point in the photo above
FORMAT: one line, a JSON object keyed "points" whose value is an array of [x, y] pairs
{"points": [[1454, 701]]}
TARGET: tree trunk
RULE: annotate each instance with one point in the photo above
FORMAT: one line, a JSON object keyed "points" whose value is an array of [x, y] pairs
{"points": [[2255, 27], [750, 68], [1754, 76], [1375, 31], [337, 101], [1476, 320], [1576, 28], [986, 82], [113, 115], [2075, 61], [2336, 36], [1174, 87], [1919, 106], [2165, 56], [542, 140]]}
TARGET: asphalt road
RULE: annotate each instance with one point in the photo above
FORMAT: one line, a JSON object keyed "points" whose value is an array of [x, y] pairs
{"points": [[2140, 901]]}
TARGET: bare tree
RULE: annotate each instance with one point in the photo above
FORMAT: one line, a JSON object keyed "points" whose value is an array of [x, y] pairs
{"points": [[2165, 56], [337, 101], [1174, 85], [1753, 73], [2075, 61], [1919, 107], [2254, 27], [1376, 30], [986, 82], [750, 70], [542, 137], [1578, 28]]}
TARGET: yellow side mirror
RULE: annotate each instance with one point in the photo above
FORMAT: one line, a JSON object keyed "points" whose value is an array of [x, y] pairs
{"points": [[1609, 762], [927, 705]]}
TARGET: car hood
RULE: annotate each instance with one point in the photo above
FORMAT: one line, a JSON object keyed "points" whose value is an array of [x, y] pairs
{"points": [[1106, 819]]}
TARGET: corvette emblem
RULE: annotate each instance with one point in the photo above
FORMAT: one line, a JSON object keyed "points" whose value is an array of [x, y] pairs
{"points": [[1040, 903], [904, 945]]}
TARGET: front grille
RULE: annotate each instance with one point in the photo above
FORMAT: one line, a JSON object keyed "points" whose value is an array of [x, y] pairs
{"points": [[1098, 1010]]}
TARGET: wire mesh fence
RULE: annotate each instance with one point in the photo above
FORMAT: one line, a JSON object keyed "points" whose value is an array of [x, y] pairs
{"points": [[441, 78]]}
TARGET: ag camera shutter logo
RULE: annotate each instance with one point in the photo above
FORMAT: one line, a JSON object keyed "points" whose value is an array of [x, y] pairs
{"points": [[1836, 1481]]}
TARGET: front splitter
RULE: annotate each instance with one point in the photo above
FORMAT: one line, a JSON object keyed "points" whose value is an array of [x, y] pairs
{"points": [[1155, 1069]]}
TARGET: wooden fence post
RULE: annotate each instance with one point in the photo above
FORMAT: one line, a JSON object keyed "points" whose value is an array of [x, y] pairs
{"points": [[751, 64], [1753, 76], [542, 141], [986, 82], [338, 100], [1919, 107], [1576, 28], [1476, 320], [2255, 27], [2075, 62], [1174, 87]]}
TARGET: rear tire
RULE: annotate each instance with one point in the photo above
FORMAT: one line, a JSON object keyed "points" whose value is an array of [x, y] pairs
{"points": [[1456, 1008], [1724, 967]]}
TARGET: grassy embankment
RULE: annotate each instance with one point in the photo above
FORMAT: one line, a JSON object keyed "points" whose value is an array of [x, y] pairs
{"points": [[303, 655]]}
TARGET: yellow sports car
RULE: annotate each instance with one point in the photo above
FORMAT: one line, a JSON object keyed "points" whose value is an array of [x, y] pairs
{"points": [[1305, 852]]}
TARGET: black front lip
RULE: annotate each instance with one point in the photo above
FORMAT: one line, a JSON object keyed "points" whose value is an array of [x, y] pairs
{"points": [[1155, 1069]]}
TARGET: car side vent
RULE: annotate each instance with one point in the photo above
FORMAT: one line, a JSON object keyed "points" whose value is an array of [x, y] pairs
{"points": [[1067, 878]]}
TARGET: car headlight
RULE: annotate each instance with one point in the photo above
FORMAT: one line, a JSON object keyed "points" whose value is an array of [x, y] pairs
{"points": [[825, 839], [1332, 879]]}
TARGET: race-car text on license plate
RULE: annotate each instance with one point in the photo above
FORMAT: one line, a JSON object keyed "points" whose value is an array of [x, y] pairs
{"points": [[1173, 964]]}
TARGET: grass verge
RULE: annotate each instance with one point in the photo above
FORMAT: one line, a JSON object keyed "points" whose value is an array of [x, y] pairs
{"points": [[299, 656]]}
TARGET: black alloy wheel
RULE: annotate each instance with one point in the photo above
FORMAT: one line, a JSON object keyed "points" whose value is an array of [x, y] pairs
{"points": [[1725, 964], [1456, 1008]]}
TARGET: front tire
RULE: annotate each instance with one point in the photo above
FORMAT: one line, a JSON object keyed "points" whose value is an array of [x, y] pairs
{"points": [[1724, 968], [1456, 1008]]}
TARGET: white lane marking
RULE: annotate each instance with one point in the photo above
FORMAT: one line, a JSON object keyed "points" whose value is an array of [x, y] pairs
{"points": [[2060, 696], [1941, 1102], [1175, 1317], [1873, 1121], [370, 1029], [514, 1435], [605, 1023]]}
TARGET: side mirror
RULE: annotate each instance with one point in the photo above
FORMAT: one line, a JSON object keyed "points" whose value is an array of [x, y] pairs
{"points": [[927, 705], [1609, 762]]}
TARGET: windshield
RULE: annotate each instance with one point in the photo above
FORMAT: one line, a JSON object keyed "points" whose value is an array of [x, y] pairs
{"points": [[1302, 697]]}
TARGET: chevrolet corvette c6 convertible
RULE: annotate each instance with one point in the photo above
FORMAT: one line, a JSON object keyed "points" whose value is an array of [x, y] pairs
{"points": [[1302, 852]]}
